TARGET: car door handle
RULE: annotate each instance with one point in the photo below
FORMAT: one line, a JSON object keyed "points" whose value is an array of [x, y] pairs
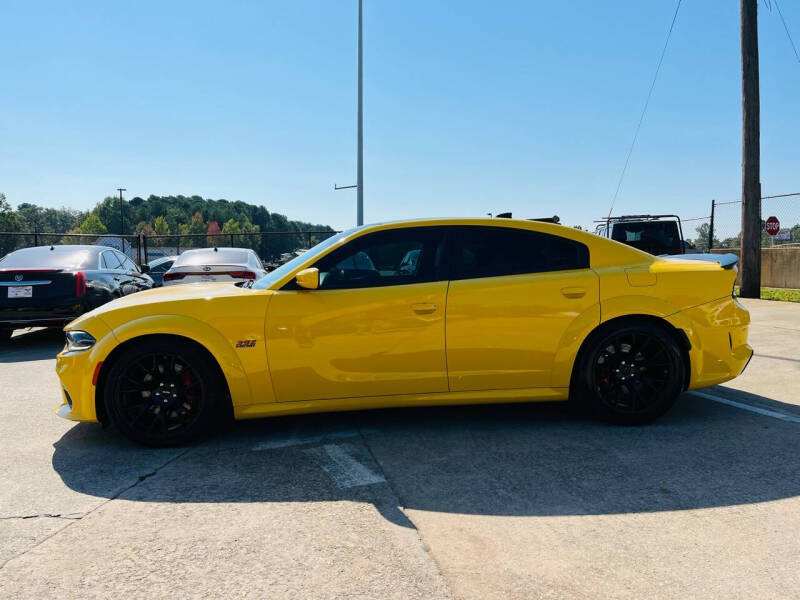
{"points": [[424, 308], [573, 292]]}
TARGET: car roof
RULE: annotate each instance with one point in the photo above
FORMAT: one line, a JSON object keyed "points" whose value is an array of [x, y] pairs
{"points": [[66, 248], [603, 252]]}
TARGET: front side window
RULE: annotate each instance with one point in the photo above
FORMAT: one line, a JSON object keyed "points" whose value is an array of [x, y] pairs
{"points": [[394, 257], [111, 260], [496, 251], [129, 265]]}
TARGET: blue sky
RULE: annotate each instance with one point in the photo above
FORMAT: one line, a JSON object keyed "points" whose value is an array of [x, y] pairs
{"points": [[470, 107]]}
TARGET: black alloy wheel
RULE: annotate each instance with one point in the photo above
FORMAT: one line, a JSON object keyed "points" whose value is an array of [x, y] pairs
{"points": [[632, 374], [163, 394]]}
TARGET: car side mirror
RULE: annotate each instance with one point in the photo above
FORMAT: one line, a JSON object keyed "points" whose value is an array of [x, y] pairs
{"points": [[144, 269], [308, 278]]}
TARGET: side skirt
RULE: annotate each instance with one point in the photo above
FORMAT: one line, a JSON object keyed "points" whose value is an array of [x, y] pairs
{"points": [[255, 411]]}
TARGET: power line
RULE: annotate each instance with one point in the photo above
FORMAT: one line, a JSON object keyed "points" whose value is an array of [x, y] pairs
{"points": [[786, 28], [644, 110]]}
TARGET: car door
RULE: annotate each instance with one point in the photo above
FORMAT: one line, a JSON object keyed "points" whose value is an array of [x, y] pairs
{"points": [[371, 329], [514, 298]]}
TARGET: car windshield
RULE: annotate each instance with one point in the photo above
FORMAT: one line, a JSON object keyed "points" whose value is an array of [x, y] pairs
{"points": [[60, 257], [208, 256], [284, 269]]}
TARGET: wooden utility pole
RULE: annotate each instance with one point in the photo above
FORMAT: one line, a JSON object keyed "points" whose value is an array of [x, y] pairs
{"points": [[751, 154]]}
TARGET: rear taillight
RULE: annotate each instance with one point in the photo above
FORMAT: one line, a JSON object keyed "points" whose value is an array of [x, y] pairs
{"points": [[242, 274], [80, 284], [173, 276]]}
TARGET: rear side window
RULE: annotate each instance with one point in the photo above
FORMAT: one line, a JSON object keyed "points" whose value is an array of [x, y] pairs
{"points": [[495, 251], [129, 265]]}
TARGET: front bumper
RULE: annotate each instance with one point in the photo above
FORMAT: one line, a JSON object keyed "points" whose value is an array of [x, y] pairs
{"points": [[76, 371]]}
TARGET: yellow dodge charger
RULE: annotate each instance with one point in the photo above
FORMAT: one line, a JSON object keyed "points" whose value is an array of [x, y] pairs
{"points": [[428, 312]]}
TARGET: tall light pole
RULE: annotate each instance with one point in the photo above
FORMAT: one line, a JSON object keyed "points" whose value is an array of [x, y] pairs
{"points": [[360, 135], [360, 165], [121, 218]]}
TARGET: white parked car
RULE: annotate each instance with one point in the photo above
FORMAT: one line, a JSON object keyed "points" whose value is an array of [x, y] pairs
{"points": [[215, 264]]}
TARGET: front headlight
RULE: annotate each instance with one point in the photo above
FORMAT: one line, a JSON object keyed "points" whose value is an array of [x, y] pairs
{"points": [[79, 340]]}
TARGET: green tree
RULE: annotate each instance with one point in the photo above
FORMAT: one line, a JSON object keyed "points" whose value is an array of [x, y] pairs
{"points": [[92, 225], [701, 241], [8, 222], [161, 226]]}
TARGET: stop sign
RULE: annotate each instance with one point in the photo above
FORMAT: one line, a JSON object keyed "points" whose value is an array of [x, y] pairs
{"points": [[773, 226]]}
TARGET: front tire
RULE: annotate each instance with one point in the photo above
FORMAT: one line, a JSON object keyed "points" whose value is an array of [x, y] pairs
{"points": [[631, 374], [163, 393]]}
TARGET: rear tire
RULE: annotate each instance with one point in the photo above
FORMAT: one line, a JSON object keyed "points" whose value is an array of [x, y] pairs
{"points": [[631, 374], [163, 393]]}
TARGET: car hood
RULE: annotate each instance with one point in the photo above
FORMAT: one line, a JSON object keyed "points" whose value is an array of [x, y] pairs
{"points": [[190, 299]]}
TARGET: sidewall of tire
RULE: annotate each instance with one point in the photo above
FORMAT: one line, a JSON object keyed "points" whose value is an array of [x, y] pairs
{"points": [[203, 366], [587, 398]]}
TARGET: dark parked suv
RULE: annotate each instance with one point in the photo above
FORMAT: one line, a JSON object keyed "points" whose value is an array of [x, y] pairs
{"points": [[656, 234], [51, 285]]}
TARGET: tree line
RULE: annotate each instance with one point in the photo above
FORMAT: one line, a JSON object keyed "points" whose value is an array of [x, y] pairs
{"points": [[164, 219]]}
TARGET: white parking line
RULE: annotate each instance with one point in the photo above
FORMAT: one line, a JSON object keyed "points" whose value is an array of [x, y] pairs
{"points": [[338, 462], [756, 409], [295, 440]]}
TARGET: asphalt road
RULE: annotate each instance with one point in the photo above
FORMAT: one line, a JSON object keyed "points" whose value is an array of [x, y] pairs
{"points": [[477, 502]]}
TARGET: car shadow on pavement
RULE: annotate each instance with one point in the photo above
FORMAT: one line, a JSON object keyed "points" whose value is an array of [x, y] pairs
{"points": [[31, 345], [525, 460]]}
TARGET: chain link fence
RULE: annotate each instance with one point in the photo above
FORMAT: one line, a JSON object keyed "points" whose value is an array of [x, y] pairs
{"points": [[273, 247], [725, 229]]}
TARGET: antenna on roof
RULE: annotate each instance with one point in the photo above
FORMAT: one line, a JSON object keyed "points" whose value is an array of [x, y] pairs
{"points": [[51, 247], [216, 249]]}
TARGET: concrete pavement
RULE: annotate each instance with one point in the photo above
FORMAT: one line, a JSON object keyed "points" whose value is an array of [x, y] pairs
{"points": [[466, 502]]}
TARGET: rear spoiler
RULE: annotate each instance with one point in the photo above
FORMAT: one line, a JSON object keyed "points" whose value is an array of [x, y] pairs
{"points": [[726, 261]]}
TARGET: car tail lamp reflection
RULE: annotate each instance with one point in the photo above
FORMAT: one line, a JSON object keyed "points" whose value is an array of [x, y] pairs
{"points": [[242, 274], [173, 276], [80, 284]]}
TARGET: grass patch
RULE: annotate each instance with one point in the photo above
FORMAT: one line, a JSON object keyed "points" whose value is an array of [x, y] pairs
{"points": [[782, 294]]}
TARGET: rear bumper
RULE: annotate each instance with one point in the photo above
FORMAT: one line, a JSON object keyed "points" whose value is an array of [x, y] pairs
{"points": [[39, 316], [718, 333]]}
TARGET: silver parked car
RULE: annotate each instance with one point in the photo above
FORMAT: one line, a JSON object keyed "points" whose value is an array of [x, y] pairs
{"points": [[215, 264]]}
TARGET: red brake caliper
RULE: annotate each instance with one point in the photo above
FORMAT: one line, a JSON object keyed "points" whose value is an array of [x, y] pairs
{"points": [[187, 380]]}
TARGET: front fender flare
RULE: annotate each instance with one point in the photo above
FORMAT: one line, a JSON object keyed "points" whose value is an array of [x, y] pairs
{"points": [[202, 333]]}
